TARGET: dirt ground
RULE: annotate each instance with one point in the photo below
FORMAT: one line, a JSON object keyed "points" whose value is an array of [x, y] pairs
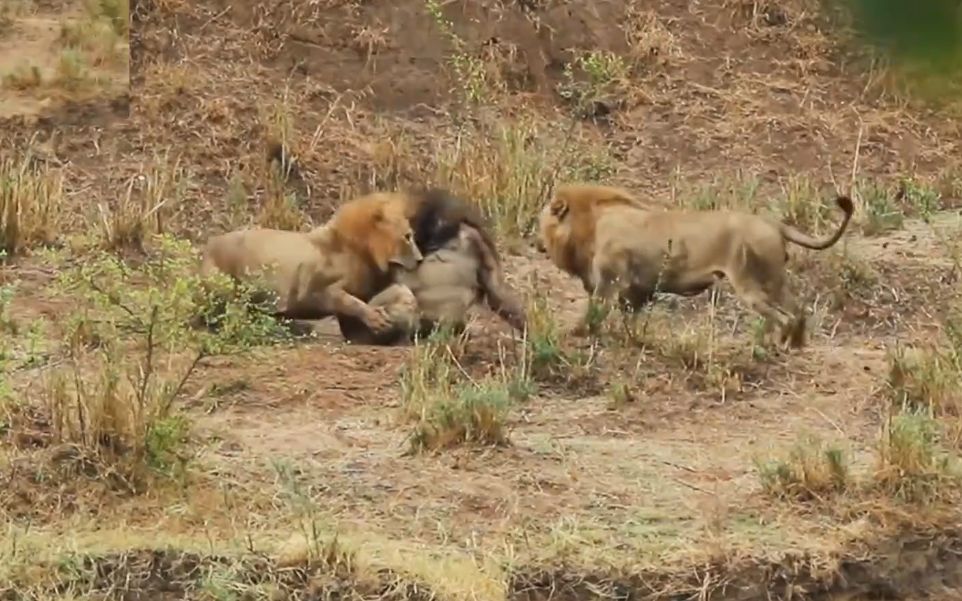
{"points": [[52, 52], [298, 450]]}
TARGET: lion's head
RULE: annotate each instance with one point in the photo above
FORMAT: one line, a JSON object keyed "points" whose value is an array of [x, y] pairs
{"points": [[378, 226], [566, 225]]}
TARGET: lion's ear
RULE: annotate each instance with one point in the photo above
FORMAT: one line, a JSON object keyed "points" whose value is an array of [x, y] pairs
{"points": [[378, 215], [559, 208]]}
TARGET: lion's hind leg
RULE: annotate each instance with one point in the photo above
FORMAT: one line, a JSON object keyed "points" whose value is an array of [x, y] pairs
{"points": [[401, 307], [773, 314], [792, 320], [761, 284], [765, 299]]}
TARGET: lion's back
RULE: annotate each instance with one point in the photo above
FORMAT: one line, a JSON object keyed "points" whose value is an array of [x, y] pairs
{"points": [[244, 250]]}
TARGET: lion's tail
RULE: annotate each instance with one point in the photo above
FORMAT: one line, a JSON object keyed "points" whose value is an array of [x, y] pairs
{"points": [[802, 239]]}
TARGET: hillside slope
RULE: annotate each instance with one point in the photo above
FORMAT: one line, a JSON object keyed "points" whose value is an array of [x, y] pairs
{"points": [[679, 459]]}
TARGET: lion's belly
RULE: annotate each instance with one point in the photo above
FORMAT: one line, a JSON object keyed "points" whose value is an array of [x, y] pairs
{"points": [[449, 303], [445, 285]]}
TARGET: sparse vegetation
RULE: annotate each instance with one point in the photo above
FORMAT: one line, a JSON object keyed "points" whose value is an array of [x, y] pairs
{"points": [[149, 199], [95, 38], [23, 77], [802, 205], [544, 336], [116, 12], [596, 76], [511, 169], [469, 71], [114, 402], [880, 212], [9, 12], [162, 437], [449, 412], [62, 55], [477, 414], [736, 192], [845, 276], [99, 36], [921, 199], [280, 207], [811, 470], [73, 70], [31, 203], [912, 465], [927, 379]]}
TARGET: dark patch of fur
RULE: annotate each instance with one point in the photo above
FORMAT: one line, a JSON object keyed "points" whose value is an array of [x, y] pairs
{"points": [[439, 216]]}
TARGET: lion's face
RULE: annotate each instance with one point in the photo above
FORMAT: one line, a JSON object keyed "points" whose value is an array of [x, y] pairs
{"points": [[400, 249], [408, 255], [551, 225]]}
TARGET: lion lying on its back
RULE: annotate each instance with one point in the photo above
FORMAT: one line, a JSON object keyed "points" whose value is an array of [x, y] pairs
{"points": [[622, 251], [334, 268], [460, 267]]}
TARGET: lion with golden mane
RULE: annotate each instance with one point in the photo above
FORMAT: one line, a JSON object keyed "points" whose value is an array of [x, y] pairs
{"points": [[333, 269], [623, 251]]}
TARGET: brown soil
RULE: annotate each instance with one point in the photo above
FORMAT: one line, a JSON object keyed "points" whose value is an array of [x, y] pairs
{"points": [[658, 498], [32, 38]]}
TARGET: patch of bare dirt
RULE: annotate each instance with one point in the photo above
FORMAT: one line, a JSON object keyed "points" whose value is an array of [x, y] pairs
{"points": [[34, 58]]}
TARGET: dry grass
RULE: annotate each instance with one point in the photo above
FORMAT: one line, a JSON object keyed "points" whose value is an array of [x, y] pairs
{"points": [[926, 379], [10, 11], [430, 373], [150, 200], [811, 470], [116, 12], [631, 454], [128, 352], [100, 36], [79, 63], [448, 411], [31, 203], [511, 168], [280, 206], [97, 39], [23, 77], [797, 199], [475, 415], [122, 420], [912, 464], [544, 338], [73, 71]]}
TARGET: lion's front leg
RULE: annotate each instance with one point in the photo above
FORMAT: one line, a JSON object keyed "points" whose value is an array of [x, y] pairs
{"points": [[401, 307], [340, 302], [606, 286], [317, 293]]}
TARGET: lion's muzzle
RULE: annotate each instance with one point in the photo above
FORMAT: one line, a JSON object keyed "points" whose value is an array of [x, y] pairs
{"points": [[410, 263], [411, 259]]}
